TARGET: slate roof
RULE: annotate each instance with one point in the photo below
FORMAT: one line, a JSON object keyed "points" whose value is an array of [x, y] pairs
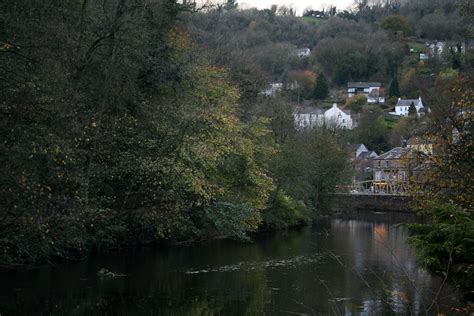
{"points": [[309, 110], [395, 153], [407, 102], [363, 84]]}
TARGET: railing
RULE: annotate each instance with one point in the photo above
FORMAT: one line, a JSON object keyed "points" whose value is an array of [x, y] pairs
{"points": [[376, 187]]}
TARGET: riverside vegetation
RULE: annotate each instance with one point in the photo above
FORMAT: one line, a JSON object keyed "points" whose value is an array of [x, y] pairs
{"points": [[116, 132], [140, 122]]}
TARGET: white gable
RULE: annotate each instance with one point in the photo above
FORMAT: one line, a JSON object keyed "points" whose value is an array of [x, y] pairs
{"points": [[337, 116]]}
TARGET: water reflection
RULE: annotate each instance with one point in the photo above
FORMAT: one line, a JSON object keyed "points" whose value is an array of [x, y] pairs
{"points": [[341, 266]]}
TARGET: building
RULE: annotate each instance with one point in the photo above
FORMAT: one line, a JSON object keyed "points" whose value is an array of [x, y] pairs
{"points": [[358, 149], [340, 118], [308, 117], [468, 45], [399, 164], [362, 162], [392, 165], [435, 48], [372, 90], [403, 107], [424, 57], [273, 89], [419, 144], [304, 52]]}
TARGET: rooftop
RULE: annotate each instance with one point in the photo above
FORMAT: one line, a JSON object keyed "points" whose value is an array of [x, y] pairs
{"points": [[408, 102], [395, 153], [363, 84], [308, 110]]}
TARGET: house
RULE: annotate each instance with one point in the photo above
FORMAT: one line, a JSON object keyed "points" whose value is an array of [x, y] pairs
{"points": [[424, 57], [435, 48], [419, 144], [402, 107], [309, 117], [340, 118], [304, 52], [399, 164], [358, 149], [362, 161], [363, 165], [372, 90], [468, 45], [273, 89], [392, 165]]}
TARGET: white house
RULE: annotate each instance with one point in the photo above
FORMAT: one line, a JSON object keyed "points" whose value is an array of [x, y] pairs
{"points": [[273, 89], [304, 52], [308, 117], [403, 107], [436, 48], [372, 90], [339, 117]]}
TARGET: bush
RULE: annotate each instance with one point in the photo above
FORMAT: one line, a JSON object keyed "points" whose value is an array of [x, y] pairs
{"points": [[285, 212], [445, 245], [229, 220]]}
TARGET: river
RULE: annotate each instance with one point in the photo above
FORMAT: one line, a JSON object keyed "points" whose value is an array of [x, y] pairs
{"points": [[338, 266]]}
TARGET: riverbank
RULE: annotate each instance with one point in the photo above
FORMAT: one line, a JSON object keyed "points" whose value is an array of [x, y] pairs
{"points": [[72, 237]]}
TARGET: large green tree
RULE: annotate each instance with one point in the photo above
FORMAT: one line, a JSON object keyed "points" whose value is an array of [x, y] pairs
{"points": [[321, 88]]}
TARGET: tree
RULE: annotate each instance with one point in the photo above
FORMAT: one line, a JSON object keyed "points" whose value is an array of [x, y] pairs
{"points": [[356, 103], [321, 89], [412, 110], [410, 84], [406, 127], [396, 24], [445, 244], [394, 90], [231, 5], [372, 129], [303, 82]]}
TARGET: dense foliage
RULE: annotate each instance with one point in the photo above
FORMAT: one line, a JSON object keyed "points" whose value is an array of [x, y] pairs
{"points": [[446, 243], [115, 132], [134, 122]]}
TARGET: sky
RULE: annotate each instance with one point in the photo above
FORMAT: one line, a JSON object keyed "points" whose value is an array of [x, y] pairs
{"points": [[299, 5]]}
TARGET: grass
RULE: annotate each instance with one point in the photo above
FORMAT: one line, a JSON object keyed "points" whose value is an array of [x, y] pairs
{"points": [[417, 47], [390, 122], [312, 20]]}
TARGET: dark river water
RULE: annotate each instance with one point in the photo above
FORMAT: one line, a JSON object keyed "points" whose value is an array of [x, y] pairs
{"points": [[339, 267]]}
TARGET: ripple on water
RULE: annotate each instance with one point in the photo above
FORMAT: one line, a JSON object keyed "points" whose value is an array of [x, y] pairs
{"points": [[260, 265]]}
